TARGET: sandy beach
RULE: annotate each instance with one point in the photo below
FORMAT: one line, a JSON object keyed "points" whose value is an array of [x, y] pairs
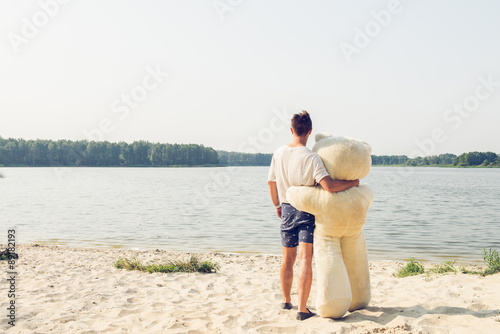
{"points": [[77, 290]]}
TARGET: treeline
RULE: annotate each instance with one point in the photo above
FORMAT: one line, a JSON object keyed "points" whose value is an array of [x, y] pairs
{"points": [[433, 160], [20, 152], [244, 159], [483, 159], [478, 159]]}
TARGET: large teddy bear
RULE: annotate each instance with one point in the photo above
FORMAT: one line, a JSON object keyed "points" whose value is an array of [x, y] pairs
{"points": [[343, 278]]}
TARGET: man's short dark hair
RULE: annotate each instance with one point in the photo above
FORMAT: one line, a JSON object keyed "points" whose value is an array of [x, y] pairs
{"points": [[301, 123]]}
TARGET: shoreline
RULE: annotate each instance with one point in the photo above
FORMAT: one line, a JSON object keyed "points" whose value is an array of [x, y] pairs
{"points": [[373, 255], [72, 289]]}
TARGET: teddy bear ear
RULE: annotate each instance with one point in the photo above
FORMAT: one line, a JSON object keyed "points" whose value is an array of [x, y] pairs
{"points": [[322, 135], [368, 147]]}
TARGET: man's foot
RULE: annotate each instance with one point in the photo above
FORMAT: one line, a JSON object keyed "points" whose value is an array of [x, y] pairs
{"points": [[286, 306], [305, 315]]}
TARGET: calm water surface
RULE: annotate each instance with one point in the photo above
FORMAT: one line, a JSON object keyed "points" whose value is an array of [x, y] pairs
{"points": [[429, 213]]}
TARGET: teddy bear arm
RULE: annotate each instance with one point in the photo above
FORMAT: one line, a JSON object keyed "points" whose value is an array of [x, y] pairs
{"points": [[305, 198]]}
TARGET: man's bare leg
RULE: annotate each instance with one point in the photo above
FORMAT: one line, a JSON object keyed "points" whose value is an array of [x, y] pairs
{"points": [[305, 275], [286, 272]]}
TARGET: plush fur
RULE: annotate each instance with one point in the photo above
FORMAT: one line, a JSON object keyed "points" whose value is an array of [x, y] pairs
{"points": [[342, 271]]}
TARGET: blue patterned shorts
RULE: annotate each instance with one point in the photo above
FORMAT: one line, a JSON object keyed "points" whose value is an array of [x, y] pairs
{"points": [[296, 226]]}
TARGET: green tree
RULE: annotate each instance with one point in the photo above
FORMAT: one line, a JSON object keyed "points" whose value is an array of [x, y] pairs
{"points": [[141, 153]]}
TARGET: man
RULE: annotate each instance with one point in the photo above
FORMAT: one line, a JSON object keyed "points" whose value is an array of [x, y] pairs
{"points": [[296, 165]]}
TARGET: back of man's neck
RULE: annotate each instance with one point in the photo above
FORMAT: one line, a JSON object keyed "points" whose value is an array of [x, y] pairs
{"points": [[297, 142]]}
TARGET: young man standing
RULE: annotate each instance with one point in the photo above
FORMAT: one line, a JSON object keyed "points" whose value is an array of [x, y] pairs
{"points": [[296, 165]]}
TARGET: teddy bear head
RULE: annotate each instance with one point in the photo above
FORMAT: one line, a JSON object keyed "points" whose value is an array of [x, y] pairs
{"points": [[344, 158]]}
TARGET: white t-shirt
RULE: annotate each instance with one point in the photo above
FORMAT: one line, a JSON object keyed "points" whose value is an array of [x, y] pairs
{"points": [[295, 166]]}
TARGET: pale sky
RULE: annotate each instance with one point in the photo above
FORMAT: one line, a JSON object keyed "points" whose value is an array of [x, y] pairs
{"points": [[394, 74]]}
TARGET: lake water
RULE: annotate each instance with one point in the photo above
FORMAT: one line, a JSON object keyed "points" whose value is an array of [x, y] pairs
{"points": [[432, 214]]}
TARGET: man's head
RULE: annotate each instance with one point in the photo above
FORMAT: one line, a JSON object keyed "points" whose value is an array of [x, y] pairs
{"points": [[301, 124]]}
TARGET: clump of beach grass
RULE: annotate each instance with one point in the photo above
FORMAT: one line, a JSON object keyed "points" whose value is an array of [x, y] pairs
{"points": [[445, 267], [133, 264], [491, 257], [191, 265], [465, 270], [412, 268]]}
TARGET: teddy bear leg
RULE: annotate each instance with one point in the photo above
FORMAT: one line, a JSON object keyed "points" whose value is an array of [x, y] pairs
{"points": [[355, 258], [334, 292]]}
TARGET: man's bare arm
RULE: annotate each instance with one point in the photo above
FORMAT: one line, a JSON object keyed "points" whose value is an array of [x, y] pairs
{"points": [[273, 190], [334, 186]]}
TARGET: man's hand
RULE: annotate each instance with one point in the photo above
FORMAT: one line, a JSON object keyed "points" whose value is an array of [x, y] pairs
{"points": [[337, 185], [273, 190], [278, 212]]}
